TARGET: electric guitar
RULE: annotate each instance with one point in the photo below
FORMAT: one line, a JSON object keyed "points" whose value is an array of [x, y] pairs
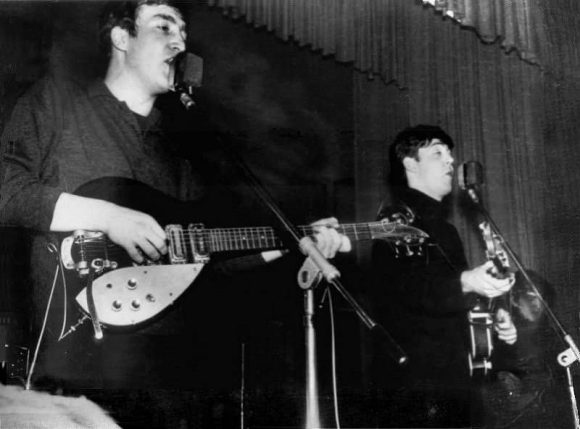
{"points": [[482, 316], [119, 293]]}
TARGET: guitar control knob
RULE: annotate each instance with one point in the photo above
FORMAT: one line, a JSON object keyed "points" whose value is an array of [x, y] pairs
{"points": [[135, 305], [132, 284], [117, 305]]}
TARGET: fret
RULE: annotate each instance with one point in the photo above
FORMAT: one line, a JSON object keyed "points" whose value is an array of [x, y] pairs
{"points": [[355, 229], [225, 240], [254, 238], [236, 239], [243, 239]]}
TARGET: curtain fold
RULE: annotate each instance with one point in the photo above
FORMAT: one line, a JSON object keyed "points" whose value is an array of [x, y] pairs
{"points": [[368, 32], [518, 118], [488, 102], [517, 24]]}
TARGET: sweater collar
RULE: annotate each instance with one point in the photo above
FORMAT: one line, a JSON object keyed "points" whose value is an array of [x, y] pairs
{"points": [[99, 89], [422, 204]]}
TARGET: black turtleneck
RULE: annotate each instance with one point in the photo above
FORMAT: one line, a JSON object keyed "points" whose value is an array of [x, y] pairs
{"points": [[418, 297]]}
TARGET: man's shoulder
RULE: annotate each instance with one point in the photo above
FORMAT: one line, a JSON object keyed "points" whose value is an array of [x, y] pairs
{"points": [[397, 211], [51, 90]]}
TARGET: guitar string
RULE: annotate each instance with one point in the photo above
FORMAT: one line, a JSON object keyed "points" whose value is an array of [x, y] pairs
{"points": [[234, 239], [263, 234], [244, 238]]}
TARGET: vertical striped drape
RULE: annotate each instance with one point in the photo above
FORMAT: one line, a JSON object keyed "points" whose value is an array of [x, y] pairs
{"points": [[519, 118], [487, 101], [367, 32], [516, 24]]}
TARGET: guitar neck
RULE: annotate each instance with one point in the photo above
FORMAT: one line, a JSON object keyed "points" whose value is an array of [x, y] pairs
{"points": [[266, 238]]}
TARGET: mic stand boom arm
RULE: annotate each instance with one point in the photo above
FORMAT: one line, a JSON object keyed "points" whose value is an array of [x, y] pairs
{"points": [[570, 355], [315, 263]]}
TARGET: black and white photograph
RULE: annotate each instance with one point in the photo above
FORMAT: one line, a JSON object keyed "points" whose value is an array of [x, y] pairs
{"points": [[289, 214]]}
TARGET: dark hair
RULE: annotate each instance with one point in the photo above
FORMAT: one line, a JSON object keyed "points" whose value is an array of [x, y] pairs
{"points": [[407, 144], [122, 14]]}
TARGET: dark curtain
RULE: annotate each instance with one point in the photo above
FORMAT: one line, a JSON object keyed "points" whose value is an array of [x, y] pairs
{"points": [[518, 119], [487, 101]]}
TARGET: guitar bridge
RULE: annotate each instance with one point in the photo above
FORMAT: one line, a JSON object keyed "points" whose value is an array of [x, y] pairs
{"points": [[77, 252]]}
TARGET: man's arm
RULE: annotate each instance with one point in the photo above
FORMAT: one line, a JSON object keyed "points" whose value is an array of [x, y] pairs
{"points": [[481, 281], [328, 240], [30, 194], [138, 233]]}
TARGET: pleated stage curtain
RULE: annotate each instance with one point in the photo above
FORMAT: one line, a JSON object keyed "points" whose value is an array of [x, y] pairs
{"points": [[515, 24], [486, 100], [368, 32], [501, 77]]}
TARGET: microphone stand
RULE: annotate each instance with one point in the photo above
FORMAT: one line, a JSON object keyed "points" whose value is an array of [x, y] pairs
{"points": [[315, 267], [572, 353]]}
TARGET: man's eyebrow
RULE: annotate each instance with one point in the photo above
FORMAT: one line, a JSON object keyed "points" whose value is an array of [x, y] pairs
{"points": [[169, 18]]}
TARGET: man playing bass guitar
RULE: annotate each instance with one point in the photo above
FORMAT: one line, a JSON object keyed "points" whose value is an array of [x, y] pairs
{"points": [[423, 297]]}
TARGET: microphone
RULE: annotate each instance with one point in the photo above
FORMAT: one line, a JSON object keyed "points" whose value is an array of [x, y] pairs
{"points": [[470, 178], [188, 75]]}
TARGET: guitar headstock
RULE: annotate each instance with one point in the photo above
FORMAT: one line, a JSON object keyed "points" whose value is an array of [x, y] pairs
{"points": [[398, 233], [494, 250]]}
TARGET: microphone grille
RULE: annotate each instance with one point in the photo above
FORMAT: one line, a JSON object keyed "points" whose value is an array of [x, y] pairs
{"points": [[190, 70], [461, 176]]}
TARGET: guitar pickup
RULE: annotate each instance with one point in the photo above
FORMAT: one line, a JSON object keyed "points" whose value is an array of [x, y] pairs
{"points": [[177, 244], [199, 247]]}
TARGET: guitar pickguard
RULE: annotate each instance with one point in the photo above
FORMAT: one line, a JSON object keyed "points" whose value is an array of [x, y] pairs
{"points": [[131, 295]]}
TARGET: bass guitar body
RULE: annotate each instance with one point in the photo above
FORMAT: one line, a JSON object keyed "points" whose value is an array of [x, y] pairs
{"points": [[482, 316]]}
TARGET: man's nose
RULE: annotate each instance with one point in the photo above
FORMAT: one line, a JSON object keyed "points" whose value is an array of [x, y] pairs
{"points": [[178, 43], [449, 159]]}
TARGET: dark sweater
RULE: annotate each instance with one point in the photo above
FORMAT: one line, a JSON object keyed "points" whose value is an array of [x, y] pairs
{"points": [[418, 299]]}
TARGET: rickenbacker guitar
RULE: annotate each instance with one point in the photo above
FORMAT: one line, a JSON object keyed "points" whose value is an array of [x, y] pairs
{"points": [[482, 316], [120, 293]]}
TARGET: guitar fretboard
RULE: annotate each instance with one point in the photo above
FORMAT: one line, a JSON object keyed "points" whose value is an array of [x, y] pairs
{"points": [[229, 239], [195, 242]]}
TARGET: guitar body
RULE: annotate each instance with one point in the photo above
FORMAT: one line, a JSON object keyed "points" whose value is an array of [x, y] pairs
{"points": [[482, 316], [125, 294], [139, 196], [118, 293], [481, 335]]}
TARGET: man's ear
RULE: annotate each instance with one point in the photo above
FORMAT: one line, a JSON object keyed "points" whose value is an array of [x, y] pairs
{"points": [[119, 38], [410, 164]]}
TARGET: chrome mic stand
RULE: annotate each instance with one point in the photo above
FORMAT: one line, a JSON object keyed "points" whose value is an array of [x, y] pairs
{"points": [[315, 267]]}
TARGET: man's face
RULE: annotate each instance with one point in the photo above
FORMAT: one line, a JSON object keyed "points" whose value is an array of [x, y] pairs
{"points": [[432, 172], [150, 54]]}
